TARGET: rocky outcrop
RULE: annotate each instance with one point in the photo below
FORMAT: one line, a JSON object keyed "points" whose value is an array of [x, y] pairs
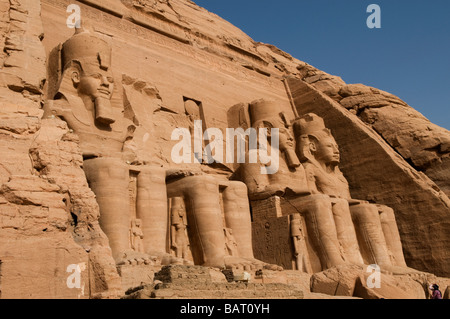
{"points": [[363, 282]]}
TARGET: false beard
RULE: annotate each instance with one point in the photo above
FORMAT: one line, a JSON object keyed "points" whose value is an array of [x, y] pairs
{"points": [[103, 111]]}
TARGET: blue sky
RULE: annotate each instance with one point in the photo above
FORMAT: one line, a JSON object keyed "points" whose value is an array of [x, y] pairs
{"points": [[408, 57]]}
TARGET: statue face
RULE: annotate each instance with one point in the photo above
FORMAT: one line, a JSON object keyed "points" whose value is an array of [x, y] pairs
{"points": [[286, 139], [326, 150], [95, 82]]}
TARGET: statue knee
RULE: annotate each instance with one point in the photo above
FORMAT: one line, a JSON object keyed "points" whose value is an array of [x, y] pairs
{"points": [[194, 186], [153, 175], [340, 205], [318, 203], [236, 190], [105, 169], [386, 213]]}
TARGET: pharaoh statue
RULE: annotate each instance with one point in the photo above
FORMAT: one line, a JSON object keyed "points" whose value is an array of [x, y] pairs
{"points": [[179, 237], [136, 235], [330, 229], [298, 235], [230, 242], [376, 228], [288, 174], [82, 93]]}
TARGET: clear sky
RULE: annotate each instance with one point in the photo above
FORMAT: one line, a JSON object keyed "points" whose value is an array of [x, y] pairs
{"points": [[409, 56]]}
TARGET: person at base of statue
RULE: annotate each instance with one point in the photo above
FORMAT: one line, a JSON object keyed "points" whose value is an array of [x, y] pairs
{"points": [[435, 292], [378, 236]]}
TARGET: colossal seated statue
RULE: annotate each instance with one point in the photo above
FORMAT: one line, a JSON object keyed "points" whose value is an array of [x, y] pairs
{"points": [[335, 243], [376, 228], [83, 86], [337, 234]]}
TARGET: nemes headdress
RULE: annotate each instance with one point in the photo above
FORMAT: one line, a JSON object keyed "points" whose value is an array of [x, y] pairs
{"points": [[308, 125], [83, 46], [264, 110]]}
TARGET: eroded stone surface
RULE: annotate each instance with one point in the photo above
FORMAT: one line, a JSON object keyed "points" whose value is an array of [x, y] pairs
{"points": [[87, 177]]}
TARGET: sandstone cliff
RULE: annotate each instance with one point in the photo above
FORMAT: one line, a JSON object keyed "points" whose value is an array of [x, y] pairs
{"points": [[391, 154]]}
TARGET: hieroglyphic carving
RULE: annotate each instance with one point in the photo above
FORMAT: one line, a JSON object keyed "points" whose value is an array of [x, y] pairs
{"points": [[136, 32], [84, 98], [272, 241], [132, 188]]}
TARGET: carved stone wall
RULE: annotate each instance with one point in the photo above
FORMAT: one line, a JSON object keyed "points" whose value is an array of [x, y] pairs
{"points": [[378, 174], [174, 63]]}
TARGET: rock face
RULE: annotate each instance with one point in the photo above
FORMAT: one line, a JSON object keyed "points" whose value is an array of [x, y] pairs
{"points": [[361, 282], [98, 193], [421, 143], [49, 216]]}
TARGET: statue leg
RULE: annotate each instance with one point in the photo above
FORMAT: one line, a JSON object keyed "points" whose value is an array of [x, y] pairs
{"points": [[204, 215], [346, 231], [391, 234], [109, 180], [237, 216], [370, 234], [322, 229], [151, 208]]}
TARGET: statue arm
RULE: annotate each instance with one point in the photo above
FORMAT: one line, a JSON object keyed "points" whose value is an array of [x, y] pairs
{"points": [[250, 174], [60, 109], [311, 180]]}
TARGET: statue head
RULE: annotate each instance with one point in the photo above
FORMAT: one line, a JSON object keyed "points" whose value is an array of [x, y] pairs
{"points": [[314, 140], [178, 210], [265, 114], [86, 64], [137, 222]]}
